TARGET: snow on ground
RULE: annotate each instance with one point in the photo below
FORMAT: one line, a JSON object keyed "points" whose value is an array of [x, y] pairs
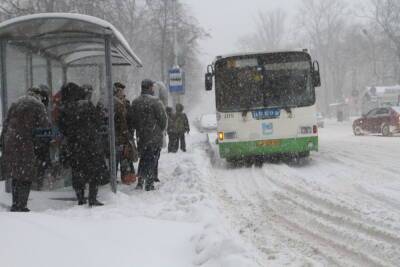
{"points": [[179, 224], [340, 209]]}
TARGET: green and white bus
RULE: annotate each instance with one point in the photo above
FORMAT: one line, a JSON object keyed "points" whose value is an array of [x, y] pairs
{"points": [[265, 104]]}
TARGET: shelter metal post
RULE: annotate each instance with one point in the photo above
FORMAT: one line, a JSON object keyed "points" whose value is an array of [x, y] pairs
{"points": [[30, 66], [50, 86], [64, 74], [4, 97], [111, 123], [26, 71]]}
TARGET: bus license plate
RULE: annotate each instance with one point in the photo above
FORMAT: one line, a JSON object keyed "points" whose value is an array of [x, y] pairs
{"points": [[268, 143], [264, 114]]}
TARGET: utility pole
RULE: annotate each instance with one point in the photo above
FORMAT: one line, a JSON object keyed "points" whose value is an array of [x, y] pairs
{"points": [[175, 36], [176, 79], [377, 79]]}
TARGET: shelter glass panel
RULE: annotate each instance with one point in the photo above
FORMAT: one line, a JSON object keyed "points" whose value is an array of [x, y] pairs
{"points": [[17, 73]]}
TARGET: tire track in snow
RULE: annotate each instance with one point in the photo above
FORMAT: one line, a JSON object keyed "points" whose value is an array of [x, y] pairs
{"points": [[266, 225], [332, 204], [260, 227], [329, 213], [344, 254], [345, 231], [379, 197]]}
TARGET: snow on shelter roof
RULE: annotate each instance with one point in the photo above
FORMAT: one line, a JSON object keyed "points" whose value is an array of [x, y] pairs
{"points": [[51, 35]]}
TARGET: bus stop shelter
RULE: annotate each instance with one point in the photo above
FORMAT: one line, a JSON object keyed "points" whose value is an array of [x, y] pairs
{"points": [[56, 48]]}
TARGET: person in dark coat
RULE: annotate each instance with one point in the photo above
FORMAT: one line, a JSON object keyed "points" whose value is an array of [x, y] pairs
{"points": [[19, 162], [131, 167], [182, 127], [42, 150], [147, 117], [80, 124], [171, 130], [121, 130]]}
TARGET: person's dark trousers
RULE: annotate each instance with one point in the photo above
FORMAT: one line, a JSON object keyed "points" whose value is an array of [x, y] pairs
{"points": [[173, 143], [156, 168], [43, 166], [148, 164], [181, 139], [170, 136], [79, 181], [78, 184], [93, 190], [20, 195]]}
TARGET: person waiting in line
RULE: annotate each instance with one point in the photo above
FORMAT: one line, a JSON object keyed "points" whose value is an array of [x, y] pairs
{"points": [[171, 130], [181, 127], [134, 155], [80, 124], [20, 160], [161, 93], [124, 153], [42, 150], [148, 119]]}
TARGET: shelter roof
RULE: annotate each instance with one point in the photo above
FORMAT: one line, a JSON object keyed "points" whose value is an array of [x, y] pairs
{"points": [[67, 37]]}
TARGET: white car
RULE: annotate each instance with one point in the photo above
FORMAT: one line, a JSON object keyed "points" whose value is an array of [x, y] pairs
{"points": [[320, 120], [207, 123]]}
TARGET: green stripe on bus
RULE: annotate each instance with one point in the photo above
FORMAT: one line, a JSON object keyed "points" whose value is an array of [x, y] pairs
{"points": [[268, 147]]}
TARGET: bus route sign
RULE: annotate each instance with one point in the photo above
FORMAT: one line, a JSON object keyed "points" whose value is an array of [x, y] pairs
{"points": [[176, 81]]}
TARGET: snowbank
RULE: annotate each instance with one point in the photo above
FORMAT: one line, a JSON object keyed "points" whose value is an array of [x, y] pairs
{"points": [[179, 224]]}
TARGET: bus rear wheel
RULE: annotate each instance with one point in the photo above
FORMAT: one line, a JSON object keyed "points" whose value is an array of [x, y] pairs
{"points": [[301, 158]]}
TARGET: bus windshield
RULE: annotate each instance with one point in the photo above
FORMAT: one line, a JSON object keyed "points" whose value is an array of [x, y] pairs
{"points": [[253, 83]]}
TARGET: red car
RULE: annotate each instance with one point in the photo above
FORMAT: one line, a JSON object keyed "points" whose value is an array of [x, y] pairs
{"points": [[379, 120]]}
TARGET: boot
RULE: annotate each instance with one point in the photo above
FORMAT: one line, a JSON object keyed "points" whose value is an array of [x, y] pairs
{"points": [[149, 185], [139, 185], [80, 195], [24, 188], [93, 195], [14, 193]]}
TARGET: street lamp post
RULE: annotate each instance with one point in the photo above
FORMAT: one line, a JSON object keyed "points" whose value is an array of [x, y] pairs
{"points": [[372, 44]]}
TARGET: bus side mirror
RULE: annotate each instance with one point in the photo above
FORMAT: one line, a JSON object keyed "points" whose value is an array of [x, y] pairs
{"points": [[209, 78], [315, 74], [209, 81]]}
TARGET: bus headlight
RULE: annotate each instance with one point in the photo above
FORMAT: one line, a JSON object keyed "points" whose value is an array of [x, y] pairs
{"points": [[221, 136]]}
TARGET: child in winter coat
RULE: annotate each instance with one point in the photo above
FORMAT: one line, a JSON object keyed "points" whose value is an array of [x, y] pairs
{"points": [[182, 127]]}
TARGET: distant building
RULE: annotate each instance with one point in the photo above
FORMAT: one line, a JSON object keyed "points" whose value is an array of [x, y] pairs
{"points": [[379, 96]]}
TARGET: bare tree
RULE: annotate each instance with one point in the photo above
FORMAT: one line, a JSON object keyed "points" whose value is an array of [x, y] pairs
{"points": [[324, 25], [146, 24], [270, 32], [386, 14]]}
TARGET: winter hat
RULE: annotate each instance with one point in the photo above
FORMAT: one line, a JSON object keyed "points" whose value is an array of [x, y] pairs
{"points": [[35, 92], [44, 94], [147, 85], [179, 107], [118, 86], [70, 92], [168, 110]]}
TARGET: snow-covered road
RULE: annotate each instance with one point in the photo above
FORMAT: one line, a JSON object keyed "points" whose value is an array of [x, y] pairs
{"points": [[341, 209]]}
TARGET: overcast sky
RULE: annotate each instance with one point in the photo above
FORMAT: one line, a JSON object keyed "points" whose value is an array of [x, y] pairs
{"points": [[228, 20]]}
